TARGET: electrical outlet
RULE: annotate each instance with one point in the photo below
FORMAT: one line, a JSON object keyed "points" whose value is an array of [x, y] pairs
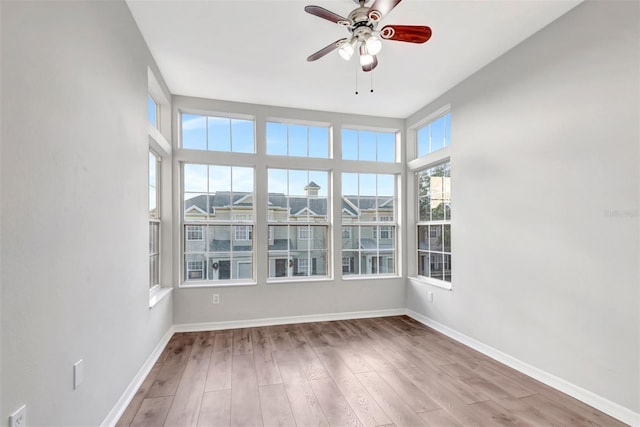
{"points": [[216, 298], [19, 418]]}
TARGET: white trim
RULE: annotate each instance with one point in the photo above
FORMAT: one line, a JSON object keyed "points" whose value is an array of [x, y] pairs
{"points": [[129, 393], [233, 324], [590, 398]]}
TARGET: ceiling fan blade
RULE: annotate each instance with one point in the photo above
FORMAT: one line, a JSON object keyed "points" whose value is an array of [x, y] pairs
{"points": [[406, 33], [370, 67], [323, 13], [380, 8], [322, 52]]}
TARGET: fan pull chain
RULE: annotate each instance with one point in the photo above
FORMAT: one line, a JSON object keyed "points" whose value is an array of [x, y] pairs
{"points": [[371, 83], [356, 80]]}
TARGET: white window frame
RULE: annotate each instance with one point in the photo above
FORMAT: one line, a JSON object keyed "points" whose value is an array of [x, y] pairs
{"points": [[377, 134], [308, 125], [346, 232], [263, 236], [374, 224], [425, 223], [237, 223]]}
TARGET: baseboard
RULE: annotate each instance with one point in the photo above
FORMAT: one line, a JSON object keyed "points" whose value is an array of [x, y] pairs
{"points": [[214, 326], [117, 411], [608, 407]]}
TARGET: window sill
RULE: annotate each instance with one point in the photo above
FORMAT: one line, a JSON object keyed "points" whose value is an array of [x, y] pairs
{"points": [[298, 280], [354, 277], [228, 284], [420, 280], [157, 294]]}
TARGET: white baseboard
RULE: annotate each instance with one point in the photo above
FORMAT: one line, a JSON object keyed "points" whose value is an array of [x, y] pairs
{"points": [[214, 326], [117, 411], [608, 407]]}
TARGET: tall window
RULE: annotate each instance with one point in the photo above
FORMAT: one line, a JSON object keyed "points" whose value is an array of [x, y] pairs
{"points": [[298, 209], [434, 222], [297, 140], [154, 220], [217, 133], [368, 224], [368, 145], [435, 135], [218, 223]]}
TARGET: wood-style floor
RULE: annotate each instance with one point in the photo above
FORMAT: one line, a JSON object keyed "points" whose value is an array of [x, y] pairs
{"points": [[368, 372]]}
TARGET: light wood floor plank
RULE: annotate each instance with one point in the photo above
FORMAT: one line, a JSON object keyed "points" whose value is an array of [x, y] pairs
{"points": [[276, 410], [245, 397], [152, 412], [439, 418], [185, 407], [412, 395], [266, 368], [304, 405], [215, 409], [167, 380], [333, 403], [392, 404], [138, 398]]}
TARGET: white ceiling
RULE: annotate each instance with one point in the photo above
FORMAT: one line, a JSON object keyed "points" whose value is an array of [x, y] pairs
{"points": [[255, 51]]}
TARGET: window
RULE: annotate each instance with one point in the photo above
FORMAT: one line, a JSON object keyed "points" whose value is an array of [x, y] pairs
{"points": [[218, 223], [305, 233], [435, 135], [346, 232], [153, 110], [242, 232], [195, 232], [369, 199], [298, 209], [434, 222], [154, 220], [368, 145], [217, 133], [297, 140]]}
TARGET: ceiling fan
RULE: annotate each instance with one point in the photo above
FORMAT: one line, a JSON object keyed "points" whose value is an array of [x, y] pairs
{"points": [[362, 23]]}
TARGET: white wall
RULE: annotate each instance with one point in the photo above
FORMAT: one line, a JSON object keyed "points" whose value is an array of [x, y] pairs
{"points": [[74, 210], [545, 191], [269, 300]]}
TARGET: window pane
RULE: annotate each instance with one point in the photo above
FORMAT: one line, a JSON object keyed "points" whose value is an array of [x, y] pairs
{"points": [[435, 266], [194, 132], [242, 136], [367, 146], [437, 134], [423, 141], [195, 178], [152, 108], [423, 237], [219, 134], [447, 129], [220, 179], [277, 139], [447, 237], [297, 140], [386, 147], [318, 142], [349, 144], [423, 264]]}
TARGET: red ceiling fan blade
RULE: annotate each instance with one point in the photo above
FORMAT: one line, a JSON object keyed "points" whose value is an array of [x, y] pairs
{"points": [[323, 13], [322, 52], [374, 64], [406, 33], [380, 8]]}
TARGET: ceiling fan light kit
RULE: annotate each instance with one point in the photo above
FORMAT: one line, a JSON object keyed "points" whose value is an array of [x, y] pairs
{"points": [[362, 23]]}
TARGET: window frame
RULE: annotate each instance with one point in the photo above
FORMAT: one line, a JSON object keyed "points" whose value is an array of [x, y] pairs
{"points": [[375, 225], [431, 224], [233, 225]]}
